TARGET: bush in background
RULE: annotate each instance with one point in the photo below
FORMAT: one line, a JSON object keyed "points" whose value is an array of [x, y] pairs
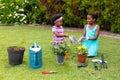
{"points": [[20, 12], [12, 12], [74, 12]]}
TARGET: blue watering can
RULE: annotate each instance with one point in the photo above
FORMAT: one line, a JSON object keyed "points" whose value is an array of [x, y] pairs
{"points": [[35, 56]]}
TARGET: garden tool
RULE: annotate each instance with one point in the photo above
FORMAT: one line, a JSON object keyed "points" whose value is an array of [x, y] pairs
{"points": [[103, 64], [49, 72], [97, 61], [82, 65], [95, 66]]}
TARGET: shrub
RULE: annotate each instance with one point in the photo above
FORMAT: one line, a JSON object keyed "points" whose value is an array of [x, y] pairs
{"points": [[75, 12], [20, 11]]}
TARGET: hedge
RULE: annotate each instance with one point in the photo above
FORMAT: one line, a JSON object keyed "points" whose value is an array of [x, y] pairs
{"points": [[74, 12]]}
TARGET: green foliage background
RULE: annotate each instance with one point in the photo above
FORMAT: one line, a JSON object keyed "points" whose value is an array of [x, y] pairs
{"points": [[74, 12]]}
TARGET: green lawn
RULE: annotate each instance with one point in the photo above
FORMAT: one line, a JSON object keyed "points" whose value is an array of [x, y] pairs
{"points": [[26, 35]]}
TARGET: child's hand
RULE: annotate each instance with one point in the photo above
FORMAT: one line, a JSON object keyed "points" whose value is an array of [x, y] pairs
{"points": [[66, 35], [87, 38], [81, 39]]}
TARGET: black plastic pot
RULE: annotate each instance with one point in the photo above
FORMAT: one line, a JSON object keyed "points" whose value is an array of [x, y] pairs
{"points": [[60, 59], [15, 56]]}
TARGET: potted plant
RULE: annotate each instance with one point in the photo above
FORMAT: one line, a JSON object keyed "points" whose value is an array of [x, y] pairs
{"points": [[60, 49], [15, 55], [82, 53]]}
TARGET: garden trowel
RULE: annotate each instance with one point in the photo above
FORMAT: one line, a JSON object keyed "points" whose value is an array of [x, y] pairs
{"points": [[49, 72]]}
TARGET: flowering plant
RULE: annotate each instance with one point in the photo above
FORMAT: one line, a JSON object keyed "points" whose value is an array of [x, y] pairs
{"points": [[61, 48], [82, 50]]}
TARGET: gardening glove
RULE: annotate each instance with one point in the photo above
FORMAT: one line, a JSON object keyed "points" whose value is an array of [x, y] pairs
{"points": [[72, 39], [81, 39], [87, 38]]}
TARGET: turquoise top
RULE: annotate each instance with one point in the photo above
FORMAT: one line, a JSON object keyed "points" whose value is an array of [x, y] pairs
{"points": [[92, 45], [91, 32]]}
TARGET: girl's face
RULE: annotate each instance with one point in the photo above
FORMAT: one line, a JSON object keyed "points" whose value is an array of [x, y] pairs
{"points": [[59, 23], [90, 20]]}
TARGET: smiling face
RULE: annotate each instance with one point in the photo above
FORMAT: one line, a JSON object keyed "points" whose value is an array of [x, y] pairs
{"points": [[90, 19]]}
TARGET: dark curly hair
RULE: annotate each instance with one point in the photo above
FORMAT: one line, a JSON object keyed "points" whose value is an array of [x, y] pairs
{"points": [[94, 15], [55, 17]]}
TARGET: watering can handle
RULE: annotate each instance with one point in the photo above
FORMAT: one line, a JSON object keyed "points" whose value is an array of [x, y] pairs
{"points": [[35, 45]]}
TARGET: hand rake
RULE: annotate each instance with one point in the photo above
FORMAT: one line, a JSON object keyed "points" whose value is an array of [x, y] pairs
{"points": [[103, 64]]}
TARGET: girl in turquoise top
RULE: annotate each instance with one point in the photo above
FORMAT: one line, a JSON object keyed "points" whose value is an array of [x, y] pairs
{"points": [[91, 33]]}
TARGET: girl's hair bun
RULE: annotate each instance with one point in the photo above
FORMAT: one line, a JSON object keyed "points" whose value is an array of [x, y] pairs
{"points": [[94, 15]]}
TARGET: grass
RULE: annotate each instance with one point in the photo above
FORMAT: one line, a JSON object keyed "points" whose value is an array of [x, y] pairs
{"points": [[26, 35]]}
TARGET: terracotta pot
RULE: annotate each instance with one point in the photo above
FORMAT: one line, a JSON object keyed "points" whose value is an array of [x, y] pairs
{"points": [[81, 58]]}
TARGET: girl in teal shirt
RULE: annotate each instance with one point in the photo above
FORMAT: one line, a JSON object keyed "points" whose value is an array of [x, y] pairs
{"points": [[91, 33]]}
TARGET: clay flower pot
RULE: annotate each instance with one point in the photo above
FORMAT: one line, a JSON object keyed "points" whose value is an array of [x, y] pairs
{"points": [[81, 58]]}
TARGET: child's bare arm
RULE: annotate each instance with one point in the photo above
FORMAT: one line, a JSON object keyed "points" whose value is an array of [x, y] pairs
{"points": [[59, 35], [84, 31]]}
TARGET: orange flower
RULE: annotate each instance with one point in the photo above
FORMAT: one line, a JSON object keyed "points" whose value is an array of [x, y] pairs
{"points": [[66, 55]]}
